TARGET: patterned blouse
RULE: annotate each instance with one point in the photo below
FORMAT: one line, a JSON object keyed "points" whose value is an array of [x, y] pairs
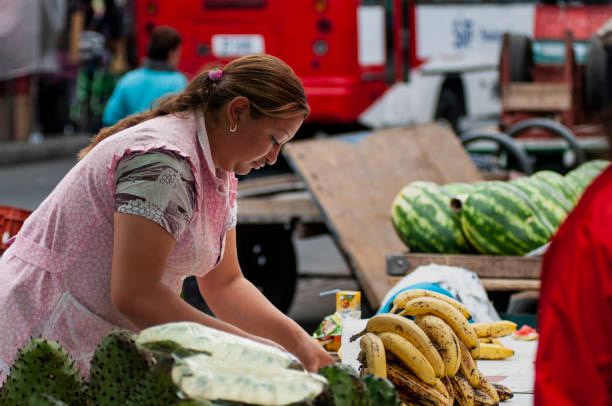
{"points": [[158, 185]]}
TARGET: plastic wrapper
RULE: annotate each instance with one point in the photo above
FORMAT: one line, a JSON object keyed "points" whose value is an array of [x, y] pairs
{"points": [[329, 332]]}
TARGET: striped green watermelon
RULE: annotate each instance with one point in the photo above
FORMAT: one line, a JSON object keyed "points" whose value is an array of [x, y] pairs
{"points": [[423, 219], [582, 179], [557, 181], [599, 164], [586, 173], [551, 203], [459, 188], [499, 219]]}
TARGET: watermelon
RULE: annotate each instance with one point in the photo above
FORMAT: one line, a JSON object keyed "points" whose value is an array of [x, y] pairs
{"points": [[557, 181], [525, 333], [424, 221], [459, 188], [499, 219], [582, 176], [551, 203], [599, 164]]}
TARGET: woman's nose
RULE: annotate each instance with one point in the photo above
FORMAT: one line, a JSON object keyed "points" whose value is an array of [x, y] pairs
{"points": [[272, 156]]}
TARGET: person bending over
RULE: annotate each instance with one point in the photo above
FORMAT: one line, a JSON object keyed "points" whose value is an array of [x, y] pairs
{"points": [[151, 201]]}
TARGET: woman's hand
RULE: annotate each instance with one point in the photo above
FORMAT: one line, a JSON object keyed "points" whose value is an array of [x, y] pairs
{"points": [[312, 355]]}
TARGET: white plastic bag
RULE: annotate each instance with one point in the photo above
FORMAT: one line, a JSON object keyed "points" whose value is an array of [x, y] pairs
{"points": [[464, 285]]}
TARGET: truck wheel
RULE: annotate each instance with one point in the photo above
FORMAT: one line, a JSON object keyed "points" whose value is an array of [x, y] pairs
{"points": [[267, 259], [595, 76], [555, 128], [521, 58]]}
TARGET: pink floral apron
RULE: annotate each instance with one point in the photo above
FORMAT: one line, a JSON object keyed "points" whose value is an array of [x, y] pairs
{"points": [[55, 277]]}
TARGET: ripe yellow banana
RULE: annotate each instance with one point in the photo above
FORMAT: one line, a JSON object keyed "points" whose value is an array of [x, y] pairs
{"points": [[468, 367], [409, 355], [489, 340], [374, 351], [408, 329], [464, 393], [492, 351], [483, 399], [411, 390], [443, 338], [503, 392], [494, 329], [400, 300], [452, 317]]}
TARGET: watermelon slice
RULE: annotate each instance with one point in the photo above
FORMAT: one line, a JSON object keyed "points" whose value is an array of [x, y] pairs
{"points": [[525, 333]]}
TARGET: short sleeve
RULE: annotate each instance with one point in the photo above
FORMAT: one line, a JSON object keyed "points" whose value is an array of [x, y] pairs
{"points": [[158, 185]]}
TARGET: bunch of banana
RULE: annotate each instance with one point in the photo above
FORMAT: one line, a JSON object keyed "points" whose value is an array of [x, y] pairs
{"points": [[400, 300], [453, 317], [430, 360], [488, 333]]}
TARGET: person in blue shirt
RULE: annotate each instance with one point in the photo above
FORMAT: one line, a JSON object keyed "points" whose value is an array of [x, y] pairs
{"points": [[158, 77]]}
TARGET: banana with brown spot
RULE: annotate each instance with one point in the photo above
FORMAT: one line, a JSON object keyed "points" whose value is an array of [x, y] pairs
{"points": [[503, 392], [494, 352], [444, 339], [494, 329], [452, 317], [412, 390], [375, 362], [464, 393], [409, 330], [409, 355], [400, 300]]}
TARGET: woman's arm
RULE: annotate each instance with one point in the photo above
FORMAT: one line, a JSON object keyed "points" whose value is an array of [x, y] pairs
{"points": [[235, 300], [140, 254]]}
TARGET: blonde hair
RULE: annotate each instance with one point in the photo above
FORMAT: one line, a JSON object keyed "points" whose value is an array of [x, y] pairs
{"points": [[269, 84]]}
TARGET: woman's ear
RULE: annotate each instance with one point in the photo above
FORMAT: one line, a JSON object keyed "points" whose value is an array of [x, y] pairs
{"points": [[237, 108]]}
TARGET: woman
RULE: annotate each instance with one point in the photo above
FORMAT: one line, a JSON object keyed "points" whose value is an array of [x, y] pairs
{"points": [[151, 201]]}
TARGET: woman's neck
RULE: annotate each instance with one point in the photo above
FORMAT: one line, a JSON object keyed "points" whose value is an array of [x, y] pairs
{"points": [[213, 132]]}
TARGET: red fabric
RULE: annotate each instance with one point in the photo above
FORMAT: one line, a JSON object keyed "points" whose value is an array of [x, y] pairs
{"points": [[574, 359]]}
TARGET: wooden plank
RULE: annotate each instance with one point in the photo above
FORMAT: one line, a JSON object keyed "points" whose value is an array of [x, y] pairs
{"points": [[485, 266], [497, 284], [354, 179], [510, 284], [536, 97], [269, 185], [279, 209]]}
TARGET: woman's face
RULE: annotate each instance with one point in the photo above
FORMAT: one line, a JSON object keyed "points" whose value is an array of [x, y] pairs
{"points": [[257, 142]]}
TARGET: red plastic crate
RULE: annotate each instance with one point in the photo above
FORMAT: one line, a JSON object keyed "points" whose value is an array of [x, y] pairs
{"points": [[11, 220]]}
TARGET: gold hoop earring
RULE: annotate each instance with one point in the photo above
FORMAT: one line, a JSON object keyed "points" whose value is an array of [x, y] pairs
{"points": [[234, 128]]}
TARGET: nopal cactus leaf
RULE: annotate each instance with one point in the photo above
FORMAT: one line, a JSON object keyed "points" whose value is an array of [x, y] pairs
{"points": [[42, 367], [345, 387], [116, 368]]}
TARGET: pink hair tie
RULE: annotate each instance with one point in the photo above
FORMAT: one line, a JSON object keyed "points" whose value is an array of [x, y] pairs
{"points": [[215, 74]]}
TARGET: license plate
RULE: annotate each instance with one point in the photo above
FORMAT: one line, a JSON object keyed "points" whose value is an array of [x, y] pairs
{"points": [[237, 45]]}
